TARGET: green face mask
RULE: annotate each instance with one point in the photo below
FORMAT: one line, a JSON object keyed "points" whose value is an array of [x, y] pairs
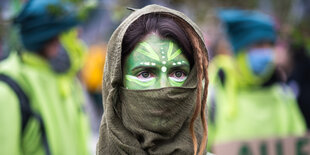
{"points": [[155, 63]]}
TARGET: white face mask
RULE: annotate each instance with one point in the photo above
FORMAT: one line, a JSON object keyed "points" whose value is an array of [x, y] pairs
{"points": [[260, 60]]}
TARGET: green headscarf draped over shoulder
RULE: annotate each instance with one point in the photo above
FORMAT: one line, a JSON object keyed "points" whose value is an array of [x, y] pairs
{"points": [[153, 121]]}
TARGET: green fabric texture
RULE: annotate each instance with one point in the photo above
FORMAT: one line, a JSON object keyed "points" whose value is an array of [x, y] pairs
{"points": [[243, 112], [57, 98], [153, 121]]}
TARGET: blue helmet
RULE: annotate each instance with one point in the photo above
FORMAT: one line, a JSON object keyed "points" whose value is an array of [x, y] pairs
{"points": [[41, 20], [247, 27]]}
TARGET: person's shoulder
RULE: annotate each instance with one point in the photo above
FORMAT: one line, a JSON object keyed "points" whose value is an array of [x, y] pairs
{"points": [[11, 65], [7, 95], [10, 79]]}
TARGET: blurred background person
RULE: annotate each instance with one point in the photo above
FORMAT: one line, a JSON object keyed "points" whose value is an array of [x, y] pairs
{"points": [[41, 100], [250, 99]]}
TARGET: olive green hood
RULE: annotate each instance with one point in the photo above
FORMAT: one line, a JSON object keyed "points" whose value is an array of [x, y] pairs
{"points": [[154, 121]]}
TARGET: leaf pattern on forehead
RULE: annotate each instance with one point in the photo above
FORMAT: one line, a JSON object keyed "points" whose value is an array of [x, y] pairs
{"points": [[171, 55], [170, 50], [174, 55], [150, 51]]}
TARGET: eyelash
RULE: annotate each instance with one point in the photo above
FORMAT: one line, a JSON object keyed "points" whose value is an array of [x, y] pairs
{"points": [[178, 79], [150, 74], [141, 77]]}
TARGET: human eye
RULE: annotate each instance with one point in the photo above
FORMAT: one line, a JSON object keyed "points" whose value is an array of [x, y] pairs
{"points": [[145, 76], [178, 76]]}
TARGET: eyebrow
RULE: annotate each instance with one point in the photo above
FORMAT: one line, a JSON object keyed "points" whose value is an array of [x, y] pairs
{"points": [[143, 67], [180, 66]]}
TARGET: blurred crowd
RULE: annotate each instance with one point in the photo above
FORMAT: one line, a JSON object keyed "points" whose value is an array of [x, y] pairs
{"points": [[52, 55]]}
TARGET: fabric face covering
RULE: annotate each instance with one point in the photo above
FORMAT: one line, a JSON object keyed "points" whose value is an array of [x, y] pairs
{"points": [[154, 107], [155, 121], [260, 60], [155, 63], [159, 119]]}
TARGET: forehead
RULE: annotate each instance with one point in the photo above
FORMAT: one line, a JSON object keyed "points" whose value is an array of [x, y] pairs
{"points": [[157, 49], [155, 39]]}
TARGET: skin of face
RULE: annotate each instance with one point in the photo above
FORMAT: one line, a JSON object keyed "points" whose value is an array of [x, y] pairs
{"points": [[154, 63], [51, 48]]}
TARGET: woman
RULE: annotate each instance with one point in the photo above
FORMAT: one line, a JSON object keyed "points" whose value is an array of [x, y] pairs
{"points": [[155, 72]]}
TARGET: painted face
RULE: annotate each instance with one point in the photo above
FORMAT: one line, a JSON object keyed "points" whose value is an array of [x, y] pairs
{"points": [[155, 63]]}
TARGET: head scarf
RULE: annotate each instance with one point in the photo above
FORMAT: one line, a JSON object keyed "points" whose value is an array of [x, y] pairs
{"points": [[247, 27], [153, 121], [42, 20]]}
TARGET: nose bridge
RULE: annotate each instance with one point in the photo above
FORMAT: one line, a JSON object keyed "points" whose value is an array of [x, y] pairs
{"points": [[163, 80]]}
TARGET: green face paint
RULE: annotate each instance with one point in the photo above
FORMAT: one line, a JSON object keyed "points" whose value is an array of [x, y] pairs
{"points": [[155, 63]]}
